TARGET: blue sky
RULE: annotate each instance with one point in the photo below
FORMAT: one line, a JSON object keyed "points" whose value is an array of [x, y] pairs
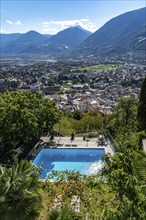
{"points": [[49, 17]]}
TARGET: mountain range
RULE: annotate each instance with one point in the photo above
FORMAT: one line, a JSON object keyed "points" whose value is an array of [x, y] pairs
{"points": [[123, 34], [33, 42]]}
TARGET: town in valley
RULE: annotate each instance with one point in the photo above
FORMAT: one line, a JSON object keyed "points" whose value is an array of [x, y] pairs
{"points": [[74, 85]]}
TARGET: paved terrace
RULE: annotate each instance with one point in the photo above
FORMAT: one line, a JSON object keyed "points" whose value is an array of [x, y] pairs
{"points": [[78, 142]]}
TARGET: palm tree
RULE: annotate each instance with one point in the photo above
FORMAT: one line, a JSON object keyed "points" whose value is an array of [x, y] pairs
{"points": [[20, 192]]}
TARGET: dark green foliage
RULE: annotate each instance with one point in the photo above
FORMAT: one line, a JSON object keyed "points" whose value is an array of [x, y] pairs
{"points": [[142, 108], [77, 114], [66, 213], [124, 121], [125, 173], [23, 117], [130, 140], [65, 175], [126, 112], [20, 192], [91, 121], [118, 193]]}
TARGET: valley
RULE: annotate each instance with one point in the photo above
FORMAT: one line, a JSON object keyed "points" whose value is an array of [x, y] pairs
{"points": [[74, 85]]}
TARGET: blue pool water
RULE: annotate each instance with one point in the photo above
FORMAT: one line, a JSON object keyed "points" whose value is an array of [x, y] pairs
{"points": [[87, 161]]}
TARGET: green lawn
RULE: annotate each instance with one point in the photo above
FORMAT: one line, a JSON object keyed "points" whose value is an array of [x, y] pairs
{"points": [[100, 67]]}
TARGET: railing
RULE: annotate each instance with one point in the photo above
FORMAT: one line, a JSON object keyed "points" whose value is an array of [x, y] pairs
{"points": [[111, 141], [111, 146], [31, 155]]}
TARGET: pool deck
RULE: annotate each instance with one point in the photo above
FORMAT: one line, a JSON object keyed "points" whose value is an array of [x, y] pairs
{"points": [[78, 142]]}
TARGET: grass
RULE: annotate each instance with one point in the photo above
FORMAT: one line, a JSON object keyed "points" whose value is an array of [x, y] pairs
{"points": [[99, 68]]}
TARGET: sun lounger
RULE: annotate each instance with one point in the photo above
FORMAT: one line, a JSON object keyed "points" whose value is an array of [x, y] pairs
{"points": [[67, 145], [74, 145]]}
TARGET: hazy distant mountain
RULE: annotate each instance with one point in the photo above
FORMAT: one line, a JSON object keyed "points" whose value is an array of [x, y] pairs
{"points": [[7, 38], [22, 42], [31, 37], [63, 41], [88, 32], [35, 43], [125, 32], [70, 37], [47, 36]]}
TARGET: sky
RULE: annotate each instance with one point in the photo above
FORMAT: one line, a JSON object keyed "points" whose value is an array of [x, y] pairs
{"points": [[52, 16]]}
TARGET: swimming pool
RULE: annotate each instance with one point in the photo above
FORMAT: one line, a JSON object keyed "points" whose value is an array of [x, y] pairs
{"points": [[87, 161]]}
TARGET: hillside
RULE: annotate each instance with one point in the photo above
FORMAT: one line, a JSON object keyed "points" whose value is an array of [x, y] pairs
{"points": [[119, 35], [7, 38]]}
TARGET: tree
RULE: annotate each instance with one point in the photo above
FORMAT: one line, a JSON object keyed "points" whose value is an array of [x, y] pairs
{"points": [[125, 173], [77, 114], [20, 192], [124, 117], [142, 107], [23, 118], [126, 111]]}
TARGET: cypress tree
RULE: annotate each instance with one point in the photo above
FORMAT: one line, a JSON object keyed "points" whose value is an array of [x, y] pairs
{"points": [[142, 107]]}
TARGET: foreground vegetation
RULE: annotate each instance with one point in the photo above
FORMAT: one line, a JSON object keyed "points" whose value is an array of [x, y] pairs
{"points": [[79, 123], [20, 192], [118, 192]]}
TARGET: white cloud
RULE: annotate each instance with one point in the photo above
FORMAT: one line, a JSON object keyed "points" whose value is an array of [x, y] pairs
{"points": [[14, 23], [84, 19], [18, 23], [56, 26], [2, 31], [91, 26], [45, 24], [9, 22], [66, 23]]}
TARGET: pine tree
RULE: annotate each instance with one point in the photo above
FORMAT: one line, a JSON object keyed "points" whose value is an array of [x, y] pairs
{"points": [[142, 107]]}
